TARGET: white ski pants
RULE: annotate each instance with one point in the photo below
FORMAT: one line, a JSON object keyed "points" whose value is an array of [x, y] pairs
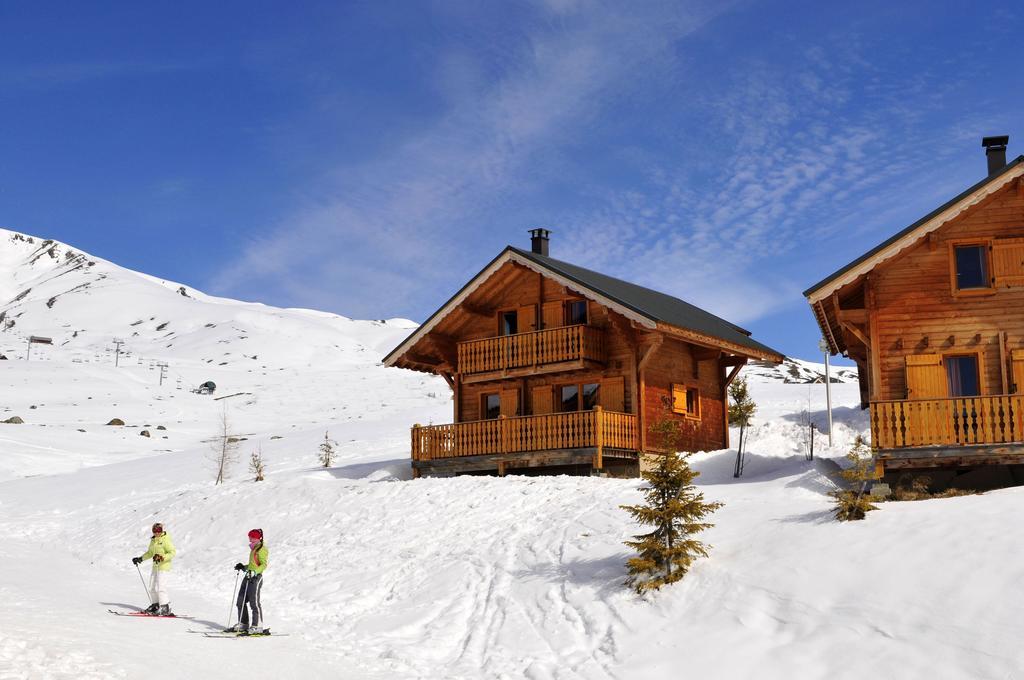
{"points": [[158, 586]]}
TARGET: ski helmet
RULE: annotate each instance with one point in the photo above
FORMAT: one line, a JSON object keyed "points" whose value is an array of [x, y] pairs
{"points": [[256, 535], [158, 528]]}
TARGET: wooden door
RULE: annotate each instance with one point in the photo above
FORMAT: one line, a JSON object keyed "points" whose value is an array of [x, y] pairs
{"points": [[926, 376], [1008, 262], [613, 394], [510, 403], [543, 400], [553, 316], [1017, 361]]}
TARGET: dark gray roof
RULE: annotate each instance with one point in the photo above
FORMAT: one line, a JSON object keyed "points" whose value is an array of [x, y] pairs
{"points": [[915, 225], [650, 303]]}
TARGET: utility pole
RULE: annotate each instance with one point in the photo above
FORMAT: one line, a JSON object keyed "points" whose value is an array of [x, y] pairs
{"points": [[828, 387], [163, 371], [117, 351]]}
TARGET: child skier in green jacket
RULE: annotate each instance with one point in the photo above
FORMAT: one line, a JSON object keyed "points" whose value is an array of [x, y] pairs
{"points": [[249, 592], [161, 551]]}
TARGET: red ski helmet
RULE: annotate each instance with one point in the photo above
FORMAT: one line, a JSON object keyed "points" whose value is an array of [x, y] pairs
{"points": [[256, 535]]}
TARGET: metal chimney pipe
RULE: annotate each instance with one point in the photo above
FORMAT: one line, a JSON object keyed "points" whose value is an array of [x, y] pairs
{"points": [[539, 239], [995, 151]]}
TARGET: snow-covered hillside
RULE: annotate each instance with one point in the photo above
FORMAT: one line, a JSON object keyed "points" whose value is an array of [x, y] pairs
{"points": [[376, 575]]}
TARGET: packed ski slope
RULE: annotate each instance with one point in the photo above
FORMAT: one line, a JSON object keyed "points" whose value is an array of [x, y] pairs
{"points": [[376, 575]]}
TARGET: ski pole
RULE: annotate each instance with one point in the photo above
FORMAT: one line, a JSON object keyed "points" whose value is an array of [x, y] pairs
{"points": [[148, 594], [233, 591]]}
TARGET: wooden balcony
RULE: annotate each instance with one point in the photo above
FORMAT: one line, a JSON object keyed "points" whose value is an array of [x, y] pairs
{"points": [[587, 434], [953, 427], [554, 349]]}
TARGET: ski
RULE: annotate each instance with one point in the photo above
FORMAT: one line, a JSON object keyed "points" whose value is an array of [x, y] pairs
{"points": [[231, 634], [144, 615]]}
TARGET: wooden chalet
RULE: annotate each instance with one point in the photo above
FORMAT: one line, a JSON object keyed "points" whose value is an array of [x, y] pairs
{"points": [[562, 369], [934, 319]]}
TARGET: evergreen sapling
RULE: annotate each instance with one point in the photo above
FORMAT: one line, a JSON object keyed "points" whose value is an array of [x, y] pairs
{"points": [[674, 509], [327, 450], [741, 412], [854, 503]]}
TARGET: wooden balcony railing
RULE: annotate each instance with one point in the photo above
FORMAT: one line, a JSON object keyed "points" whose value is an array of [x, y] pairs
{"points": [[554, 345], [949, 421], [580, 429]]}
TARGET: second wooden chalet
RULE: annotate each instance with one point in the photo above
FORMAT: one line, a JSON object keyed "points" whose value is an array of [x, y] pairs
{"points": [[560, 368], [934, 318]]}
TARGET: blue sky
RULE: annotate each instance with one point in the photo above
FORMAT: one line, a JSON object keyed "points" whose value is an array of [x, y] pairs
{"points": [[367, 158]]}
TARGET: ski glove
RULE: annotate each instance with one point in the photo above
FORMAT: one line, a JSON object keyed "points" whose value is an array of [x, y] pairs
{"points": [[158, 558], [239, 567], [136, 560]]}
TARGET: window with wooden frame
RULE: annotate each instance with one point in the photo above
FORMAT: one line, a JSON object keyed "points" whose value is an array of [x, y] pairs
{"points": [[490, 406], [686, 401], [517, 320], [933, 376], [578, 396], [575, 312], [504, 403], [610, 394], [970, 267], [963, 374]]}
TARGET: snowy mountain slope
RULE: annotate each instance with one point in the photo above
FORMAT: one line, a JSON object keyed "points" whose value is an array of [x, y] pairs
{"points": [[798, 371], [380, 576], [289, 368]]}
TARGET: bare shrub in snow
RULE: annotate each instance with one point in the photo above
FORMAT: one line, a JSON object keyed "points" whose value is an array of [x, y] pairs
{"points": [[225, 447], [854, 503], [674, 508], [256, 465], [328, 450]]}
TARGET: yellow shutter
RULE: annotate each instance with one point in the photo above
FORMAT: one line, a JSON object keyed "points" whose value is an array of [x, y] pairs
{"points": [[612, 394], [526, 318], [543, 400], [679, 398], [1017, 360], [926, 376], [1008, 262], [510, 403], [553, 315]]}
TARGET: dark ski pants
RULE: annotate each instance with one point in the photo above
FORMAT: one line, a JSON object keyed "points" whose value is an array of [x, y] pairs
{"points": [[249, 594]]}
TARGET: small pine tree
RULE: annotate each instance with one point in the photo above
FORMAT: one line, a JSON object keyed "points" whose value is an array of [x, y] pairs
{"points": [[327, 450], [256, 465], [674, 508], [853, 503], [741, 412]]}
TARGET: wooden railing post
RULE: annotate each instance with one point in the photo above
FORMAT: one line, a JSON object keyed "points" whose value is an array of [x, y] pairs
{"points": [[503, 435], [598, 437]]}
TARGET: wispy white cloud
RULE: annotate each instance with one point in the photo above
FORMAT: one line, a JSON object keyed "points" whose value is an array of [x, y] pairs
{"points": [[806, 156], [392, 221]]}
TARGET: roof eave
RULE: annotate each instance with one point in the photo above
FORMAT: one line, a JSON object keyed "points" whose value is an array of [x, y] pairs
{"points": [[906, 237]]}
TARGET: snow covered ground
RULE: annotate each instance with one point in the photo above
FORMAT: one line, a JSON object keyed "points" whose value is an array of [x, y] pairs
{"points": [[376, 575]]}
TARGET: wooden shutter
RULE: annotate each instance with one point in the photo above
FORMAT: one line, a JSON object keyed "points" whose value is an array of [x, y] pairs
{"points": [[612, 394], [543, 400], [553, 316], [679, 398], [1008, 262], [926, 376], [510, 403], [1017, 360], [526, 318]]}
